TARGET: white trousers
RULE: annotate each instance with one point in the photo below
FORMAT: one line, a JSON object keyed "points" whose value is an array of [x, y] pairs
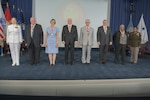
{"points": [[86, 53], [15, 52]]}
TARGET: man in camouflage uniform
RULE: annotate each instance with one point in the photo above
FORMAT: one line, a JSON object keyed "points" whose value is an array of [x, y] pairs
{"points": [[134, 42]]}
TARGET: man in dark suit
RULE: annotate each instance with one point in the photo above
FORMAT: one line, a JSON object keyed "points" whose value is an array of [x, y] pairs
{"points": [[120, 38], [104, 39], [69, 39], [34, 40]]}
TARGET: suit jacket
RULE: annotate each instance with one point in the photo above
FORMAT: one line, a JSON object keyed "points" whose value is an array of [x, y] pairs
{"points": [[86, 38], [37, 35], [116, 38], [69, 36], [102, 37], [14, 34]]}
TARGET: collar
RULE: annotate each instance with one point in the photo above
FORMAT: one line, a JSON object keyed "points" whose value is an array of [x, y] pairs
{"points": [[32, 25], [13, 24], [105, 26], [87, 26], [69, 25]]}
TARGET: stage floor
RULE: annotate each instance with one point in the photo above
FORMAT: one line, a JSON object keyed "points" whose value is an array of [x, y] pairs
{"points": [[77, 71]]}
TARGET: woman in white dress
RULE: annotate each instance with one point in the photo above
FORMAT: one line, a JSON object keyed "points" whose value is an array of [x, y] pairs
{"points": [[14, 39]]}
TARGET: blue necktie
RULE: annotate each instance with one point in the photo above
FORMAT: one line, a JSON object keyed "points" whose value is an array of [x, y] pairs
{"points": [[32, 26]]}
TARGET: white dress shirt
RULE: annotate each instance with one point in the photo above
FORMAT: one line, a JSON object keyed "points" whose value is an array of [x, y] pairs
{"points": [[69, 28], [105, 29]]}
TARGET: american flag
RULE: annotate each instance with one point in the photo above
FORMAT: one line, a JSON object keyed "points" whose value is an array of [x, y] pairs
{"points": [[2, 20]]}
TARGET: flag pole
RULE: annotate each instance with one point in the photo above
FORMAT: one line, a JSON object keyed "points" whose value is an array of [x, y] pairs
{"points": [[7, 4], [130, 16]]}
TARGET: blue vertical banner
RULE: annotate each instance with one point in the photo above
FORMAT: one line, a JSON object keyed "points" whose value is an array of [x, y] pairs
{"points": [[130, 25]]}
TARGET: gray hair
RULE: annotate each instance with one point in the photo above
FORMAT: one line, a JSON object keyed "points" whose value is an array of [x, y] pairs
{"points": [[87, 20], [122, 26], [104, 20]]}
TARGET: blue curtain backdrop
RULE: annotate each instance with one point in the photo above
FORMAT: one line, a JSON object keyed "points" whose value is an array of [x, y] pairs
{"points": [[24, 5], [120, 13]]}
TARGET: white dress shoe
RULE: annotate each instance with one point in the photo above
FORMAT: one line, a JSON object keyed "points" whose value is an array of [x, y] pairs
{"points": [[13, 64], [17, 64]]}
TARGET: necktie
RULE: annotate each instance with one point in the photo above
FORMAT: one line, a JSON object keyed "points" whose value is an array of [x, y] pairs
{"points": [[69, 27], [105, 29], [87, 29], [32, 27]]}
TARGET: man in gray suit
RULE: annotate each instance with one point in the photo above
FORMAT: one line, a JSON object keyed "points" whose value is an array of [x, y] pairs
{"points": [[86, 41], [104, 39]]}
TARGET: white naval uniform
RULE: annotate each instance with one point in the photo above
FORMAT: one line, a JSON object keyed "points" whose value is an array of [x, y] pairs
{"points": [[14, 38]]}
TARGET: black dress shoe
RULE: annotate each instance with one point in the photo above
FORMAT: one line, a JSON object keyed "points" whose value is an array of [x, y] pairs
{"points": [[66, 63], [123, 63], [51, 64], [38, 64], [71, 63], [132, 62], [30, 64], [116, 62], [103, 62]]}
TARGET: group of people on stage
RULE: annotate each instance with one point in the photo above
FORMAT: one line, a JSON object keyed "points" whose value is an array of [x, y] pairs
{"points": [[34, 40]]}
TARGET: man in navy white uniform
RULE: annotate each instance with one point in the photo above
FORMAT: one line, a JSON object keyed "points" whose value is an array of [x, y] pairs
{"points": [[14, 39]]}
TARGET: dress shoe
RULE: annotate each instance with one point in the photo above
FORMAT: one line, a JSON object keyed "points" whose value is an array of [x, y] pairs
{"points": [[13, 64], [83, 63], [17, 64], [116, 62], [66, 63], [132, 62], [31, 64], [38, 64], [2, 54], [103, 62], [51, 64], [123, 63], [71, 63]]}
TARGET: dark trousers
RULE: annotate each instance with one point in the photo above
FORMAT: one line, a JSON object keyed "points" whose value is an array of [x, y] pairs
{"points": [[34, 53], [120, 50], [103, 52], [69, 47]]}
